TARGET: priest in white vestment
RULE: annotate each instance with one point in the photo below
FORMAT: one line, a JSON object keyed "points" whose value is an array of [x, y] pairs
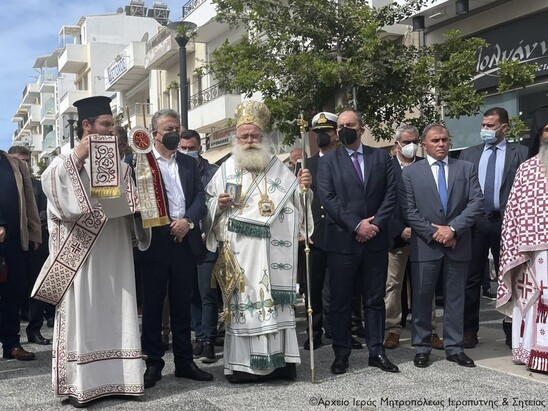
{"points": [[255, 215], [89, 274]]}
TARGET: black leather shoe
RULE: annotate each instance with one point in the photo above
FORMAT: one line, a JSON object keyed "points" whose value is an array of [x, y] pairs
{"points": [[339, 366], [287, 372], [422, 360], [461, 359], [152, 374], [355, 344], [38, 339], [239, 377], [317, 343], [381, 361], [192, 372]]}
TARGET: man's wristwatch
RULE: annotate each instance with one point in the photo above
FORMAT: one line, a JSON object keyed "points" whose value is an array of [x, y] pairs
{"points": [[452, 229], [190, 223]]}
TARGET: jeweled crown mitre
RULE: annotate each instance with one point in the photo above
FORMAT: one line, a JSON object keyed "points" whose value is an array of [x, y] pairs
{"points": [[253, 112]]}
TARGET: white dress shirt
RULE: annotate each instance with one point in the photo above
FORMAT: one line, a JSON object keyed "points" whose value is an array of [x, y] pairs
{"points": [[434, 167], [172, 183]]}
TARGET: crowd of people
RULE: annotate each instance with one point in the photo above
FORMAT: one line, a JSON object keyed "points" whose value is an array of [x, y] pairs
{"points": [[196, 247]]}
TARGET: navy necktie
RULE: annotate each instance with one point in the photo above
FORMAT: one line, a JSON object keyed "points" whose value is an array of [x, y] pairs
{"points": [[489, 186], [442, 185]]}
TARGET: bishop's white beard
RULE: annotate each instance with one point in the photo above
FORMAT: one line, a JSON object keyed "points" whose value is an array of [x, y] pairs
{"points": [[543, 153], [251, 157]]}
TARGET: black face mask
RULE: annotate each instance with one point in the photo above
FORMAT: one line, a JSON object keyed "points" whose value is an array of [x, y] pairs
{"points": [[323, 139], [348, 136], [171, 140]]}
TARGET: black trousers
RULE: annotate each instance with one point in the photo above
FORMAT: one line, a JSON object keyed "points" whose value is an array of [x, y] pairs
{"points": [[344, 269], [485, 236], [12, 292], [175, 274], [318, 271], [37, 309]]}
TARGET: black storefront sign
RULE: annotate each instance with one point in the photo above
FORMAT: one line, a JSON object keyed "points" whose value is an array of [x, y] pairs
{"points": [[525, 40]]}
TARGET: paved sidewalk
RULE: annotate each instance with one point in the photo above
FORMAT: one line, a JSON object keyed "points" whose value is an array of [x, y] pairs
{"points": [[495, 384]]}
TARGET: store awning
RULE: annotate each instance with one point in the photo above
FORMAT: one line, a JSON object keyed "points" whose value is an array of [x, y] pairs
{"points": [[217, 154]]}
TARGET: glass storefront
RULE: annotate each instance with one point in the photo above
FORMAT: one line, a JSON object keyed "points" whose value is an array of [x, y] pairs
{"points": [[524, 40]]}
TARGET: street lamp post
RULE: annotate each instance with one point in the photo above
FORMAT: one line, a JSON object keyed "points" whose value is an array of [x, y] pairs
{"points": [[181, 31], [71, 119]]}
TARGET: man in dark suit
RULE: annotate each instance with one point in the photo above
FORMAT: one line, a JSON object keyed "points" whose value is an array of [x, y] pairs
{"points": [[170, 261], [36, 258], [19, 229], [203, 297], [441, 200], [496, 176], [324, 125], [356, 186]]}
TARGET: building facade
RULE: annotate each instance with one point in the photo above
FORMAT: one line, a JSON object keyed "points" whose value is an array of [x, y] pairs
{"points": [[514, 29]]}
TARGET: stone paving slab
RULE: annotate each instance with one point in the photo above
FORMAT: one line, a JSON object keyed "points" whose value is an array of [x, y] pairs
{"points": [[495, 384]]}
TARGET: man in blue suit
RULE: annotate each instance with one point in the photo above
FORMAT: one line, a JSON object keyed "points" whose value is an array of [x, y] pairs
{"points": [[170, 261], [441, 200], [496, 182], [356, 186]]}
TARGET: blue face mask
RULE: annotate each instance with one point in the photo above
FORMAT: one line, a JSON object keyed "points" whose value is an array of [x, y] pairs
{"points": [[193, 154], [489, 136]]}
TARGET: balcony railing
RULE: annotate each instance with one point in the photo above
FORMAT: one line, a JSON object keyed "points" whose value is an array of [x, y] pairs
{"points": [[190, 6], [48, 109], [138, 108], [207, 95], [50, 142], [163, 34], [48, 76]]}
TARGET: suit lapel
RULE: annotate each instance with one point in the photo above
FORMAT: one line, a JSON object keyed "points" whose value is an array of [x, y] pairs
{"points": [[477, 154], [16, 172], [396, 167], [452, 170], [367, 164], [182, 173], [429, 177], [347, 164], [508, 161]]}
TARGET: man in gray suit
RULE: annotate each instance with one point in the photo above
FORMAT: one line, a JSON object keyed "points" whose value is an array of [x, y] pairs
{"points": [[496, 161], [441, 200]]}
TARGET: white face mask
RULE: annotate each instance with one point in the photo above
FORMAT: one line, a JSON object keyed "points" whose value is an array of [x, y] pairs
{"points": [[409, 150]]}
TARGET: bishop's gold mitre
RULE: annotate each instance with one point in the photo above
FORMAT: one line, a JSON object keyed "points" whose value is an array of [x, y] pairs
{"points": [[253, 112]]}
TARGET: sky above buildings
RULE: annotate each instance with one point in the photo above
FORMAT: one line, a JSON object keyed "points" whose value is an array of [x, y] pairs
{"points": [[29, 29]]}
